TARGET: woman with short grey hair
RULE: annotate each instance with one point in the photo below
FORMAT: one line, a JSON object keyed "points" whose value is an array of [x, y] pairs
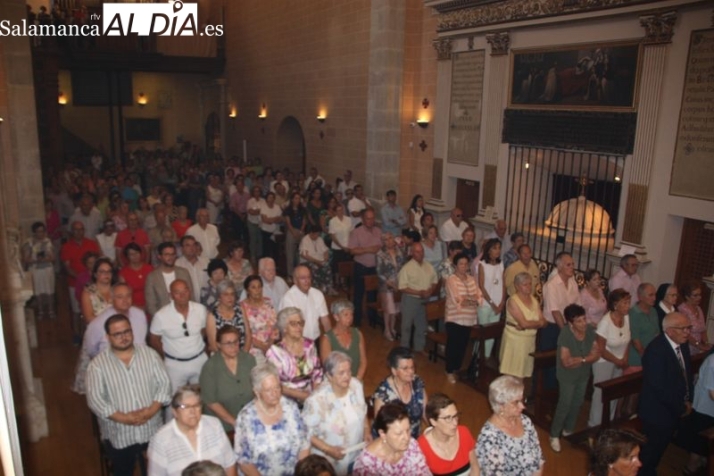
{"points": [[508, 442], [270, 436], [345, 338], [335, 414], [295, 356], [227, 311]]}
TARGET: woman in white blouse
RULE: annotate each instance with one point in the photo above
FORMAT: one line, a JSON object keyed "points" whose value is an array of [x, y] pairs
{"points": [[490, 280]]}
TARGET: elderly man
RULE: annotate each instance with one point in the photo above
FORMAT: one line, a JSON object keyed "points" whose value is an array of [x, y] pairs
{"points": [[162, 231], [499, 231], [156, 289], [89, 215], [453, 228], [346, 184], [176, 333], [393, 218], [364, 243], [95, 337], [274, 287], [417, 281], [106, 240], [194, 264], [313, 176], [626, 277], [666, 389], [357, 204], [644, 324], [71, 255], [309, 300], [133, 234], [526, 264], [511, 256], [205, 233], [126, 387]]}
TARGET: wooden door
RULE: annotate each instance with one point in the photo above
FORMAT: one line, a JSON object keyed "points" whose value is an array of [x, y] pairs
{"points": [[696, 255], [467, 193]]}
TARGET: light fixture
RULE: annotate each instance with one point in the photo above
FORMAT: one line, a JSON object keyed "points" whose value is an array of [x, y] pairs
{"points": [[423, 123], [142, 100], [617, 178], [263, 113], [233, 114], [321, 118], [527, 165], [62, 99]]}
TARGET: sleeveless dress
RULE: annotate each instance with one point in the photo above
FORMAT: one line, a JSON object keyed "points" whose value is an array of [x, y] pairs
{"points": [[517, 345], [352, 351]]}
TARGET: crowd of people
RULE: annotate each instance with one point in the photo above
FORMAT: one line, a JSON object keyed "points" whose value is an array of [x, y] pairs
{"points": [[160, 306]]}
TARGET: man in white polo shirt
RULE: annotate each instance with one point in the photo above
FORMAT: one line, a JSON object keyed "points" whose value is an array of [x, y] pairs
{"points": [[453, 228], [309, 300]]}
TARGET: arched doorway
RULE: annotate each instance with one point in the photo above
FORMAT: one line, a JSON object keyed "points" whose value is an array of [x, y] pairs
{"points": [[213, 134], [290, 146]]}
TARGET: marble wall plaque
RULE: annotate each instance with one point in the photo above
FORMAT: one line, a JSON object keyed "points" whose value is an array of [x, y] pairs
{"points": [[466, 106], [693, 165]]}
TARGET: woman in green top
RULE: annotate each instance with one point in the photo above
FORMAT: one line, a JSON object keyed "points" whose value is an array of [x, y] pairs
{"points": [[345, 338], [577, 350]]}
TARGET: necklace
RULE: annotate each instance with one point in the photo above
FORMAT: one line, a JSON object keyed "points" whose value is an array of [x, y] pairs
{"points": [[274, 412], [396, 388]]}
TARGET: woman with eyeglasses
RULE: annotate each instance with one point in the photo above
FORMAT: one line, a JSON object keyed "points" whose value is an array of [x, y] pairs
{"points": [[225, 378], [447, 446], [508, 443], [691, 307], [227, 312], [271, 436], [190, 436], [295, 356]]}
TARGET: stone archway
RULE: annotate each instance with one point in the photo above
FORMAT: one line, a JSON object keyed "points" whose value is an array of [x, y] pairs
{"points": [[290, 146]]}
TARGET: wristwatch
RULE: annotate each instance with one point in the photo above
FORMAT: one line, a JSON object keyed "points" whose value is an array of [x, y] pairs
{"points": [[583, 361]]}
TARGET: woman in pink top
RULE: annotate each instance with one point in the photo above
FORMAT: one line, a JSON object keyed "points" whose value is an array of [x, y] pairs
{"points": [[692, 294], [593, 298]]}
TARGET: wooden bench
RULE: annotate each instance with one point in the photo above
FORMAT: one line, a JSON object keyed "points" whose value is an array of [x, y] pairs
{"points": [[346, 271], [435, 312], [544, 400], [479, 372]]}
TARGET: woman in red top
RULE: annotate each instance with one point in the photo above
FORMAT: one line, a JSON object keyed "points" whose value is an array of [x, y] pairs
{"points": [[182, 222], [447, 446], [134, 273]]}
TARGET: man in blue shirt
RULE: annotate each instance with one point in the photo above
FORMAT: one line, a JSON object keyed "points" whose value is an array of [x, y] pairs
{"points": [[393, 217]]}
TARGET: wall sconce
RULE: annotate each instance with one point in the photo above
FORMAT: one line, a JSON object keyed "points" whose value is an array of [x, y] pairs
{"points": [[263, 113], [617, 178], [423, 123], [321, 118], [142, 100], [233, 114], [62, 99]]}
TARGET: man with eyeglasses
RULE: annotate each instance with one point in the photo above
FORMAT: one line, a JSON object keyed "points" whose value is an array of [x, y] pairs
{"points": [[453, 228], [126, 387], [666, 388], [156, 289], [177, 332]]}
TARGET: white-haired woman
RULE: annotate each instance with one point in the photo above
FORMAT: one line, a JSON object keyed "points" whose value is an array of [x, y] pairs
{"points": [[335, 414], [227, 312], [508, 442], [345, 338], [295, 356], [270, 436]]}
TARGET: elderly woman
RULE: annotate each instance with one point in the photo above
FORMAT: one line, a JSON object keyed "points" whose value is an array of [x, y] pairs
{"points": [[316, 255], [345, 338], [271, 436], [239, 268], [97, 295], [613, 339], [335, 414], [135, 273], [403, 385], [508, 442], [394, 452], [667, 296], [38, 254], [592, 297], [577, 351], [225, 376], [390, 260], [217, 271], [446, 445], [227, 312], [691, 307], [616, 453], [523, 318], [314, 465], [259, 312], [463, 297], [434, 250], [493, 287], [295, 356], [189, 437]]}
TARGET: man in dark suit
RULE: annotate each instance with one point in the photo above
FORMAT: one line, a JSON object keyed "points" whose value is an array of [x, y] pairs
{"points": [[666, 389], [158, 281]]}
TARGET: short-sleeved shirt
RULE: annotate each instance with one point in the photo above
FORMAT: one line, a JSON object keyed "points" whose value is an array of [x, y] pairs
{"points": [[618, 338], [126, 236], [460, 464], [643, 327], [364, 238], [312, 305], [556, 296], [417, 276], [341, 229], [703, 402], [72, 252], [220, 385], [499, 453], [168, 323], [577, 348]]}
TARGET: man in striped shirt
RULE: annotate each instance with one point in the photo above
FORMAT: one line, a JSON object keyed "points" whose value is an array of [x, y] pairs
{"points": [[126, 387]]}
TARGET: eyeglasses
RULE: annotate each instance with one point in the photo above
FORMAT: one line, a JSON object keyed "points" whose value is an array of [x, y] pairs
{"points": [[459, 216], [683, 328], [117, 335], [197, 406], [296, 323], [230, 343], [450, 418], [185, 329]]}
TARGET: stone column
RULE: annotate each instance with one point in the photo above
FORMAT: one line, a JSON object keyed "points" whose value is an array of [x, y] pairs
{"points": [[493, 104], [443, 48], [222, 115], [384, 95], [659, 29]]}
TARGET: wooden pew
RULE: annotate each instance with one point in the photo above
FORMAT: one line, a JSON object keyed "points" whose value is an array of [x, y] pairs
{"points": [[479, 372], [545, 400]]}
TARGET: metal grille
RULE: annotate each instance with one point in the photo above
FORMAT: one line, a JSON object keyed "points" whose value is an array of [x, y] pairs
{"points": [[560, 200]]}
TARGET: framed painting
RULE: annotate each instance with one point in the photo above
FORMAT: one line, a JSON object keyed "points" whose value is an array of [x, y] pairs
{"points": [[595, 76]]}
